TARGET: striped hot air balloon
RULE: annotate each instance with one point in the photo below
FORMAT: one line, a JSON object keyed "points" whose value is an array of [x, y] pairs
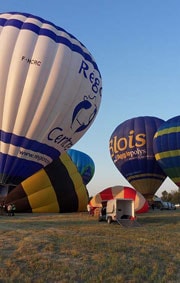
{"points": [[166, 146], [56, 188], [141, 204], [50, 89]]}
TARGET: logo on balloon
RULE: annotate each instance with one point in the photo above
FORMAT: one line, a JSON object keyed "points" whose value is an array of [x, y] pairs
{"points": [[131, 147], [83, 114]]}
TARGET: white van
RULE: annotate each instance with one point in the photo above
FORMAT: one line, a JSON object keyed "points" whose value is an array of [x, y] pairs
{"points": [[117, 209]]}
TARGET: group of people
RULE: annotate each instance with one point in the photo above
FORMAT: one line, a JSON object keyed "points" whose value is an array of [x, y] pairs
{"points": [[7, 209]]}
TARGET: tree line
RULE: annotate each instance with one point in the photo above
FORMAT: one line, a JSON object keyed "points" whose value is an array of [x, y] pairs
{"points": [[173, 196]]}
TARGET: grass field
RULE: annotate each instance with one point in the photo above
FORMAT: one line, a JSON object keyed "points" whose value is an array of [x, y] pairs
{"points": [[76, 247]]}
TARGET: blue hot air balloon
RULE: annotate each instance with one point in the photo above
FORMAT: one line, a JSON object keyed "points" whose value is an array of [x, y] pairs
{"points": [[167, 148], [84, 163], [131, 149], [50, 89]]}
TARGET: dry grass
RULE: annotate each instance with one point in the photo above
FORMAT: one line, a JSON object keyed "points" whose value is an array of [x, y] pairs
{"points": [[77, 248]]}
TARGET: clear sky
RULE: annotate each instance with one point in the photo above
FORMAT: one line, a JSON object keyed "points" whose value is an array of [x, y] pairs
{"points": [[136, 45]]}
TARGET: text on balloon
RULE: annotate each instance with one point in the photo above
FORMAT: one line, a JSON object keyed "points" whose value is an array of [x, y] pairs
{"points": [[31, 61], [56, 136], [119, 145], [95, 81]]}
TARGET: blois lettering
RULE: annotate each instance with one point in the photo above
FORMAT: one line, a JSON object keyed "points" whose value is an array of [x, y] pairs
{"points": [[120, 145]]}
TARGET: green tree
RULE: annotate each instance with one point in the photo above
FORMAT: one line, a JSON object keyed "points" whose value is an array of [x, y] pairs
{"points": [[173, 196], [176, 197], [164, 196]]}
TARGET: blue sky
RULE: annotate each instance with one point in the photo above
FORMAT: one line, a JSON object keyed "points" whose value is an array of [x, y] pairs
{"points": [[136, 45]]}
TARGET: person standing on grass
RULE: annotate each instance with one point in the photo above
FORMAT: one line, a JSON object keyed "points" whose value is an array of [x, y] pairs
{"points": [[13, 209], [9, 209], [4, 208], [89, 209]]}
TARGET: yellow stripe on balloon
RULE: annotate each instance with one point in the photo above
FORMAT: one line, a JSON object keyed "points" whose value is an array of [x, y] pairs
{"points": [[167, 154], [167, 131], [41, 196]]}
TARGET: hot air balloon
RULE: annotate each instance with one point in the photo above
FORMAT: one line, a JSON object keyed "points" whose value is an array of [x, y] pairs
{"points": [[84, 163], [131, 149], [167, 148], [141, 204], [56, 188], [50, 89]]}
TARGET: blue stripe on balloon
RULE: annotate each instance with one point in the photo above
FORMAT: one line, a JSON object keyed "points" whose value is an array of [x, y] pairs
{"points": [[39, 19], [28, 144], [14, 170], [167, 142], [45, 32]]}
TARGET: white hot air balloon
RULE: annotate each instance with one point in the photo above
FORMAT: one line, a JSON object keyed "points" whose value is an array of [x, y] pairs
{"points": [[50, 90]]}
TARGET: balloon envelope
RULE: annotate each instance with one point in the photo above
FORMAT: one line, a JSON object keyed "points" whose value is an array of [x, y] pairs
{"points": [[167, 148], [141, 205], [84, 163], [56, 188], [131, 149], [50, 89]]}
